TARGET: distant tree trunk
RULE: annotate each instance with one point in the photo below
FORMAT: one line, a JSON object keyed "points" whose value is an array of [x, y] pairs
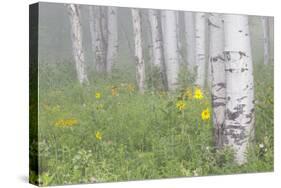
{"points": [[171, 50], [148, 35], [217, 66], [76, 38], [265, 27], [104, 26], [190, 39], [157, 46], [140, 68], [92, 30], [99, 37], [200, 40], [163, 26], [112, 47], [179, 41], [239, 120]]}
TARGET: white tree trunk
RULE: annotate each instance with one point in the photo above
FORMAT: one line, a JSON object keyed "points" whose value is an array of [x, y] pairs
{"points": [[171, 49], [217, 68], [104, 24], [112, 47], [200, 26], [76, 38], [92, 30], [157, 45], [179, 42], [140, 68], [98, 39], [265, 27], [190, 39], [239, 120]]}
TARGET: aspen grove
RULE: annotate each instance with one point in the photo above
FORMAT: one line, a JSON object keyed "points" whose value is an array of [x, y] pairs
{"points": [[129, 94]]}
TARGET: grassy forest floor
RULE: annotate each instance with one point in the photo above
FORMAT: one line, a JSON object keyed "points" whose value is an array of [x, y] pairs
{"points": [[107, 131]]}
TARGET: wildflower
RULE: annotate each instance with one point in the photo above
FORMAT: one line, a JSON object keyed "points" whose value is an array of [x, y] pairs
{"points": [[98, 135], [66, 122], [130, 88], [261, 146], [98, 95], [205, 115], [181, 105], [198, 94], [114, 91]]}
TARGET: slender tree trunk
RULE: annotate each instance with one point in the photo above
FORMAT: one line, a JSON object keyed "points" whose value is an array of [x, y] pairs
{"points": [[149, 36], [171, 50], [104, 26], [112, 47], [217, 66], [163, 26], [200, 40], [265, 27], [179, 42], [190, 39], [92, 31], [157, 45], [239, 120], [140, 67], [98, 39], [76, 38]]}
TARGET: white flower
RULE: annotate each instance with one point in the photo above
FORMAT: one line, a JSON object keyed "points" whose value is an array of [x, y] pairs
{"points": [[261, 146]]}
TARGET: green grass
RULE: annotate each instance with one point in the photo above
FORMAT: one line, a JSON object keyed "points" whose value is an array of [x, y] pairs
{"points": [[143, 136]]}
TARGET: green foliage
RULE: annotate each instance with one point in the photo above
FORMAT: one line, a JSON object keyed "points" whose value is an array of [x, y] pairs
{"points": [[141, 136], [187, 76]]}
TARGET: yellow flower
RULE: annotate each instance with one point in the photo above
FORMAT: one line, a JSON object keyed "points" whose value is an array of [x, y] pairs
{"points": [[198, 94], [98, 135], [98, 95], [130, 88], [114, 91], [205, 115], [66, 122], [181, 105]]}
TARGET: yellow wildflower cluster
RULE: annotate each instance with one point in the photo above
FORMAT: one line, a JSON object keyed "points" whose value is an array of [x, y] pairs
{"points": [[66, 122], [205, 115], [181, 105], [98, 95], [198, 94], [98, 135]]}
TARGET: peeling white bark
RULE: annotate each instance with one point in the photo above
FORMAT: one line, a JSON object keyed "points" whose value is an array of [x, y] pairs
{"points": [[140, 67], [76, 38], [190, 39], [239, 120], [200, 26], [217, 69], [265, 27], [171, 49], [112, 47]]}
